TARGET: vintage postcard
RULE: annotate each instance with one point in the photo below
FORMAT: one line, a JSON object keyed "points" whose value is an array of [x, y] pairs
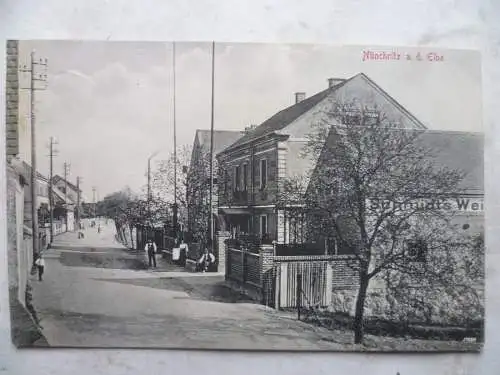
{"points": [[244, 196]]}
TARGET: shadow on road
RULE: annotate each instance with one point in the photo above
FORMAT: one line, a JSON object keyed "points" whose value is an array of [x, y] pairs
{"points": [[86, 247], [208, 288], [111, 261]]}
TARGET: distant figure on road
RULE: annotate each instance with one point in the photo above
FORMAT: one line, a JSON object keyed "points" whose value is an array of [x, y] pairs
{"points": [[206, 260], [99, 229], [151, 250], [40, 264]]}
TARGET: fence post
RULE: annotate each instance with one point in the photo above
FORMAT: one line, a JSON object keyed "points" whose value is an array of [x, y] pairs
{"points": [[221, 251], [277, 286], [243, 265], [299, 294]]}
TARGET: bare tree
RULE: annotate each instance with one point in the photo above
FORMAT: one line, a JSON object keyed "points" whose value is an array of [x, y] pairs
{"points": [[382, 194], [193, 186]]}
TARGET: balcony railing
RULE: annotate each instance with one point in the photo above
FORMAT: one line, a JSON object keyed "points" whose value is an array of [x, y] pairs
{"points": [[240, 196], [249, 242]]}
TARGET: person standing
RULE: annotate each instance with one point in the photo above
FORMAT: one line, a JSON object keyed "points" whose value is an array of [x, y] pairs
{"points": [[40, 264], [151, 248], [206, 260]]}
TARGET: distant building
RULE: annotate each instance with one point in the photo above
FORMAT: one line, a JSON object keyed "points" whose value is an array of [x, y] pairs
{"points": [[72, 192], [198, 178]]}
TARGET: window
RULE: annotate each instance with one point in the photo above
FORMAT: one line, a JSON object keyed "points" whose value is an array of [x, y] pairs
{"points": [[263, 225], [245, 177], [263, 173], [416, 250], [296, 229], [237, 178], [225, 178]]}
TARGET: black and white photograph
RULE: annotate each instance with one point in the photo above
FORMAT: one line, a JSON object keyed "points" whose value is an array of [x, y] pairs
{"points": [[244, 196]]}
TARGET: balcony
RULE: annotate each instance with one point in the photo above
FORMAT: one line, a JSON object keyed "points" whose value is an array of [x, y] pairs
{"points": [[240, 197]]}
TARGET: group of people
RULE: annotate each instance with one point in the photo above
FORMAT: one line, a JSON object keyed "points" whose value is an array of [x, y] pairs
{"points": [[92, 225], [203, 264]]}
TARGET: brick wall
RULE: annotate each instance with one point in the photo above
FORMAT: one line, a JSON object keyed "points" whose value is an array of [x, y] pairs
{"points": [[267, 275], [12, 230], [344, 274], [12, 99]]}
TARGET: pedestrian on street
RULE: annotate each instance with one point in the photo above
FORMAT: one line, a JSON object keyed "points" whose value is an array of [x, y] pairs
{"points": [[151, 250], [206, 260], [40, 264]]}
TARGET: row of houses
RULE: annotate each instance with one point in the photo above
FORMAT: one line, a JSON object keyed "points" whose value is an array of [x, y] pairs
{"points": [[252, 167], [19, 190]]}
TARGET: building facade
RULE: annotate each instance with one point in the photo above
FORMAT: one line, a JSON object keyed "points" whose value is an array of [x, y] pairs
{"points": [[19, 218], [68, 194], [254, 169]]}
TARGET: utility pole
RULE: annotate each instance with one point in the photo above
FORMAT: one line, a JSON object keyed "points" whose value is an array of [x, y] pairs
{"points": [[93, 199], [210, 217], [78, 180], [174, 219], [34, 78], [53, 152], [150, 194], [66, 173]]}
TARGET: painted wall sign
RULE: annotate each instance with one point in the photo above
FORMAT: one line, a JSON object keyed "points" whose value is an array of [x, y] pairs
{"points": [[461, 204]]}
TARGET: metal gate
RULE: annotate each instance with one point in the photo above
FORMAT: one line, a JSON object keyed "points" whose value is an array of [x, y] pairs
{"points": [[316, 283]]}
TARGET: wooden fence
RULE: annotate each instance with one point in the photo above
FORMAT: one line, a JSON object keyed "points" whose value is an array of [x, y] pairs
{"points": [[243, 266]]}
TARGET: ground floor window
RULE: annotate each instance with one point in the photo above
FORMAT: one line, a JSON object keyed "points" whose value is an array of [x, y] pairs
{"points": [[416, 250]]}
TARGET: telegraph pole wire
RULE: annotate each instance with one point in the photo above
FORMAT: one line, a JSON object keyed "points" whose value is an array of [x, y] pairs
{"points": [[35, 76]]}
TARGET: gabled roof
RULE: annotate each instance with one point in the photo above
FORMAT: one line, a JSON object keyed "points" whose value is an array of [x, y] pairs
{"points": [[58, 178], [285, 117], [455, 150], [60, 195], [461, 151], [222, 139]]}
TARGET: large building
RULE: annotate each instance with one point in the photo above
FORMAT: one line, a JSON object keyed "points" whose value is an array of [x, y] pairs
{"points": [[253, 169], [407, 208]]}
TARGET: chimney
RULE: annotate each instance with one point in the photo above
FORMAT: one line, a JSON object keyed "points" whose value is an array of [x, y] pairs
{"points": [[249, 128], [334, 81], [299, 96]]}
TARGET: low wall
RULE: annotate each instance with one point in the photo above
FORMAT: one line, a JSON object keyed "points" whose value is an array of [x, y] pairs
{"points": [[416, 304]]}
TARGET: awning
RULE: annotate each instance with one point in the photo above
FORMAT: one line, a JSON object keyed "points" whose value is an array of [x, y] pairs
{"points": [[235, 211]]}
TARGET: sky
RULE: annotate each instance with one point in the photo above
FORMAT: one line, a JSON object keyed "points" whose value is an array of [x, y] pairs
{"points": [[110, 104]]}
